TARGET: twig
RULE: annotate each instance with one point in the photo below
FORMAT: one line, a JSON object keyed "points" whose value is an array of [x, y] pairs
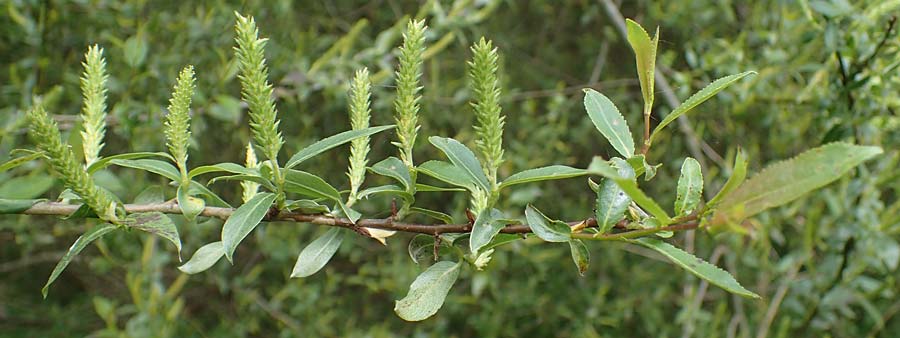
{"points": [[63, 209]]}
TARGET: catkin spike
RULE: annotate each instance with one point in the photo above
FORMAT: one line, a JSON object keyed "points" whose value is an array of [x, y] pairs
{"points": [[93, 112], [178, 120], [360, 113], [408, 74], [486, 103], [45, 133]]}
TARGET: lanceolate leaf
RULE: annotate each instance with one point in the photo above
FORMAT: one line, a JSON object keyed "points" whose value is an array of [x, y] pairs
{"points": [[484, 229], [331, 142], [580, 255], [243, 220], [106, 161], [738, 174], [690, 185], [447, 219], [609, 122], [233, 168], [786, 181], [199, 189], [645, 57], [545, 228], [8, 206], [427, 293], [156, 223], [463, 158], [315, 255], [310, 185], [697, 266], [204, 258], [430, 188], [553, 172], [394, 168], [612, 201], [80, 244], [386, 189], [154, 166], [19, 161], [447, 173], [695, 100]]}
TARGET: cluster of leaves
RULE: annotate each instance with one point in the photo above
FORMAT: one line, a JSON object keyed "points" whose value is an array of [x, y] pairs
{"points": [[620, 202]]}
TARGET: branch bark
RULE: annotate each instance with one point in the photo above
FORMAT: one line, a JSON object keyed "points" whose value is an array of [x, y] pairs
{"points": [[63, 209]]}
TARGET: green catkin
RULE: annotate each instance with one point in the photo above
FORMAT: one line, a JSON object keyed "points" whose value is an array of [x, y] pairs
{"points": [[255, 88], [486, 91], [360, 113], [177, 125], [93, 112], [408, 74], [61, 158]]}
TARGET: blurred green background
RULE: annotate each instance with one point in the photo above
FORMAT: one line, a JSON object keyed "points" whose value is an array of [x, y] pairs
{"points": [[826, 265]]}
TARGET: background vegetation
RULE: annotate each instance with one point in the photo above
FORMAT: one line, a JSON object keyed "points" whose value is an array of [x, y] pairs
{"points": [[826, 265]]}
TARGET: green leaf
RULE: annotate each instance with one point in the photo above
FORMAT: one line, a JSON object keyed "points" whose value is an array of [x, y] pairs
{"points": [[553, 172], [690, 185], [696, 266], [427, 293], [151, 195], [394, 168], [307, 207], [447, 219], [612, 201], [695, 100], [106, 161], [738, 174], [156, 223], [448, 173], [154, 166], [389, 189], [9, 206], [204, 258], [310, 185], [20, 161], [580, 255], [609, 121], [233, 168], [80, 243], [26, 187], [463, 158], [331, 142], [257, 178], [243, 220], [545, 228], [484, 229], [315, 255], [430, 188], [641, 167], [199, 189], [787, 180], [645, 58], [190, 206], [630, 187]]}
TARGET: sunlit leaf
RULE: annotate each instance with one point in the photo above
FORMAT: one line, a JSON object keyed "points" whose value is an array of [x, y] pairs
{"points": [[695, 100], [690, 187], [463, 158], [696, 266], [609, 122], [448, 173], [154, 166], [204, 258], [427, 293], [315, 255], [244, 219], [645, 58], [787, 180], [19, 161], [233, 168], [612, 201], [106, 161], [553, 172], [331, 142], [394, 168], [545, 228], [80, 243], [484, 229]]}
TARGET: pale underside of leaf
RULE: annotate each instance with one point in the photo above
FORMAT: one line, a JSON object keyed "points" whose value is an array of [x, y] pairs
{"points": [[427, 293]]}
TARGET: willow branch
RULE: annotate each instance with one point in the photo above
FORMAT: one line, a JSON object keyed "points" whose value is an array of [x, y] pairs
{"points": [[63, 209]]}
